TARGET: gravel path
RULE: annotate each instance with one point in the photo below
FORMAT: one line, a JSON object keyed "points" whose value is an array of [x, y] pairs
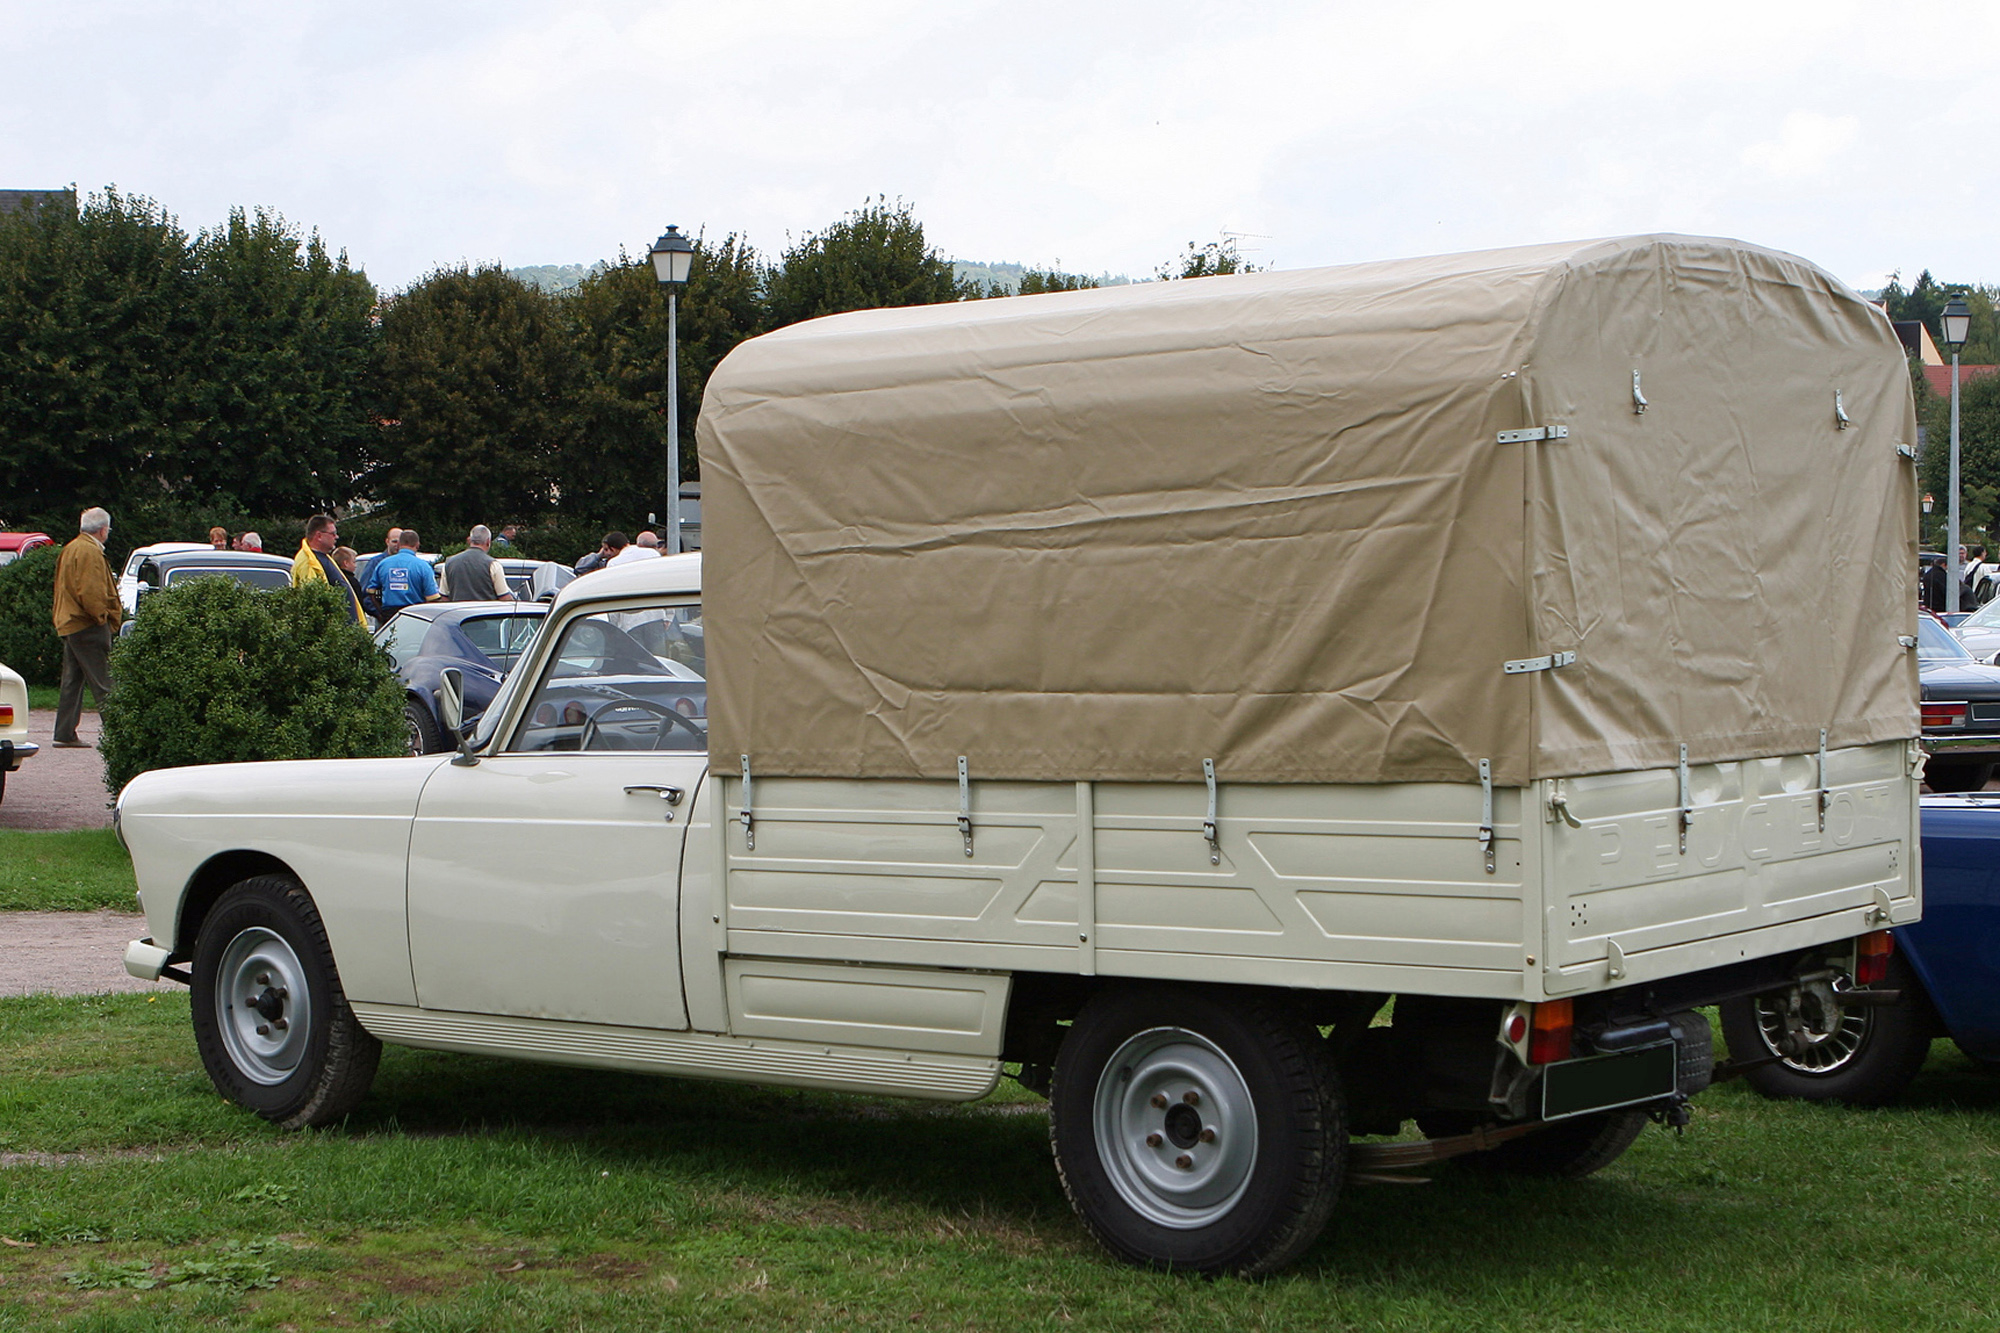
{"points": [[69, 953], [57, 788]]}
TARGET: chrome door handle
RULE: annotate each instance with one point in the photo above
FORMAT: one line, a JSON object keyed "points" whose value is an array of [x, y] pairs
{"points": [[671, 795]]}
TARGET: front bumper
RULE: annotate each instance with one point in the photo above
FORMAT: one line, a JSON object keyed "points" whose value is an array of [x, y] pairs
{"points": [[148, 961], [13, 752]]}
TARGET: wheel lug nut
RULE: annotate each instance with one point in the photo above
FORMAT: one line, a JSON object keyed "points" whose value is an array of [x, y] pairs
{"points": [[1184, 1162], [263, 978], [1159, 1101], [1191, 1097], [280, 1024], [1153, 1140], [263, 1029], [1208, 1136], [284, 994]]}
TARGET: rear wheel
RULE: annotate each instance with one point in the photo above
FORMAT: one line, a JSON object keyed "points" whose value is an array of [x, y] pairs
{"points": [[1861, 1055], [1956, 777], [1196, 1133], [425, 736], [270, 1020]]}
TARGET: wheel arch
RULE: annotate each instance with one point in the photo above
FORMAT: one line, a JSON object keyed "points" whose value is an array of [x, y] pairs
{"points": [[210, 881]]}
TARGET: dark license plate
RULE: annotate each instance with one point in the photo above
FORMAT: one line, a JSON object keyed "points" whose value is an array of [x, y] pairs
{"points": [[1577, 1086]]}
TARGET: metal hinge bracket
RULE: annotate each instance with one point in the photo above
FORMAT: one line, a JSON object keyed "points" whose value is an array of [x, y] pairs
{"points": [[1546, 662], [1840, 421], [1907, 640], [1208, 829], [1559, 806], [1638, 399], [1687, 800], [964, 806], [1908, 451], [749, 829], [1825, 792], [1486, 811], [1614, 960], [1534, 433]]}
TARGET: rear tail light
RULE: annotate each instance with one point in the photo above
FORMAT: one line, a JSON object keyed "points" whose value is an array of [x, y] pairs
{"points": [[1550, 1033], [685, 707], [1944, 715], [6, 715], [1871, 957]]}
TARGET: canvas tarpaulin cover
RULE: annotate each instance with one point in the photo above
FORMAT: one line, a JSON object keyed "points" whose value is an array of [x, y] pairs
{"points": [[1269, 519]]}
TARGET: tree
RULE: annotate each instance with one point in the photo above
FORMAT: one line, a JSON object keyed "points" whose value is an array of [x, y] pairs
{"points": [[480, 376], [876, 256], [620, 319], [98, 394], [1979, 452], [1206, 261], [1037, 280], [1925, 303], [286, 368]]}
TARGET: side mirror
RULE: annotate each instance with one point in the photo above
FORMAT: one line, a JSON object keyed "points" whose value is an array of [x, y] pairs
{"points": [[451, 703]]}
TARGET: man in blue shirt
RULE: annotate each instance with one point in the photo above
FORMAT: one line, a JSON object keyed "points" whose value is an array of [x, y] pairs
{"points": [[403, 579]]}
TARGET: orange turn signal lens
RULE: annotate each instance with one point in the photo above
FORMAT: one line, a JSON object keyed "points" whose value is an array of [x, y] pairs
{"points": [[1549, 1041], [1871, 957]]}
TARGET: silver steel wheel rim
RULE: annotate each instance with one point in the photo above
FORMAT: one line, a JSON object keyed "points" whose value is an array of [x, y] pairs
{"points": [[1176, 1128], [415, 733], [1827, 1053], [264, 1008]]}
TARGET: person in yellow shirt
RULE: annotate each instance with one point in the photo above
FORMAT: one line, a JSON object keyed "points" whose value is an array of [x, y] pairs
{"points": [[86, 614], [314, 562]]}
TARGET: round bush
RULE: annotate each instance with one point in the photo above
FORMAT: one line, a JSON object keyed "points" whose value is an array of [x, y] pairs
{"points": [[216, 673], [28, 641]]}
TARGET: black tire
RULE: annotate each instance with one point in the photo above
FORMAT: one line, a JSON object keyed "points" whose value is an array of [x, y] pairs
{"points": [[1868, 1058], [1564, 1150], [1264, 1179], [313, 1061], [426, 736], [1958, 776], [3, 784]]}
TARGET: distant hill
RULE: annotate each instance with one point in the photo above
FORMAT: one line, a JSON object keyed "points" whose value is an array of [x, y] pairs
{"points": [[1008, 276], [555, 277]]}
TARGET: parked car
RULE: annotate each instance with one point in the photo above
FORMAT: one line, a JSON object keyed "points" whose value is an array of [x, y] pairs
{"points": [[170, 569], [1961, 710], [128, 581], [530, 580], [14, 743], [1944, 972], [1979, 631], [14, 545], [482, 639]]}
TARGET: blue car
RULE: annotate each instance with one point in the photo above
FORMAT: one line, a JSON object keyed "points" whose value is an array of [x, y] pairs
{"points": [[1943, 975], [482, 639]]}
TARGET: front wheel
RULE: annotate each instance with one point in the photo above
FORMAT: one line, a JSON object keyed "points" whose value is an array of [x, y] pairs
{"points": [[1197, 1133], [270, 1020], [1864, 1056], [424, 736]]}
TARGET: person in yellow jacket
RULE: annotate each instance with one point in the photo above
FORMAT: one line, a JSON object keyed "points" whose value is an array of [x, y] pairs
{"points": [[314, 562], [86, 614]]}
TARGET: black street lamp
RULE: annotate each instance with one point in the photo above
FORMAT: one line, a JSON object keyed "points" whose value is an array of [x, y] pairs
{"points": [[1957, 323], [673, 259]]}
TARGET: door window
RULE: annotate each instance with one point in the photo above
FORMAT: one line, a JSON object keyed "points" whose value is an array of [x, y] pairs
{"points": [[622, 680]]}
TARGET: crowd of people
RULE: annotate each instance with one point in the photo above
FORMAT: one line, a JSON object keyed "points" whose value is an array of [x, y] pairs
{"points": [[87, 611]]}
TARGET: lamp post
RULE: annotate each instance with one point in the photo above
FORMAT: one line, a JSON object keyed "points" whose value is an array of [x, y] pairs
{"points": [[1957, 324], [673, 258]]}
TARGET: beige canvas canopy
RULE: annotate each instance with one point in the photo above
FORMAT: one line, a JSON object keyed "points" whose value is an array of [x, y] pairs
{"points": [[1286, 521]]}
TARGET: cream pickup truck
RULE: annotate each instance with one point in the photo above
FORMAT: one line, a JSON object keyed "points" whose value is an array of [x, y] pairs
{"points": [[1262, 711]]}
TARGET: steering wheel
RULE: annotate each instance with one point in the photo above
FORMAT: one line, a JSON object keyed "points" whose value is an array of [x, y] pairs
{"points": [[595, 722]]}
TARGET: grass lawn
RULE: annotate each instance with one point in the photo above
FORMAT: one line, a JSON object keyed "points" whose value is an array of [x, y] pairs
{"points": [[66, 871], [42, 699], [472, 1194]]}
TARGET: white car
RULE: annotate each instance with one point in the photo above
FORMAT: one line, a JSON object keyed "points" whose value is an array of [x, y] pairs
{"points": [[14, 743], [128, 581]]}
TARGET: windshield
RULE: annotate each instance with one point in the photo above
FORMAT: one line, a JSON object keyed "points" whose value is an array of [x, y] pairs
{"points": [[267, 577], [1986, 617], [1935, 643]]}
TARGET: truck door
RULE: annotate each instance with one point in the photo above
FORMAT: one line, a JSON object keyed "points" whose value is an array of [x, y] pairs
{"points": [[544, 880]]}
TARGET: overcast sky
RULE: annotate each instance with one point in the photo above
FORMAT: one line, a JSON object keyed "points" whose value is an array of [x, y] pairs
{"points": [[1092, 136]]}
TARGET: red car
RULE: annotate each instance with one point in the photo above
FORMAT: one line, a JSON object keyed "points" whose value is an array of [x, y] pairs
{"points": [[14, 545]]}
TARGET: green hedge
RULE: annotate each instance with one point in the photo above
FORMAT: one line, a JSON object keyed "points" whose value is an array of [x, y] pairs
{"points": [[216, 673], [28, 641]]}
